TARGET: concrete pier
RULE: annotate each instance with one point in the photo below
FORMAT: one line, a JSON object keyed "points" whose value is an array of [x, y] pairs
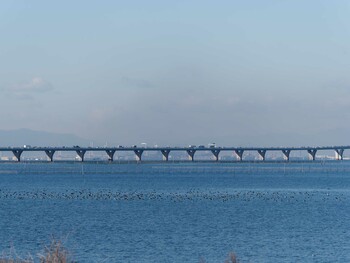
{"points": [[312, 153], [165, 154], [138, 154], [191, 153], [81, 154], [216, 153], [239, 153], [17, 153], [262, 153], [286, 153], [50, 154], [110, 154]]}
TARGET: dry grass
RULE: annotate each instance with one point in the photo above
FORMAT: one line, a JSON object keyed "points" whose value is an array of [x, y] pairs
{"points": [[231, 258], [55, 253], [12, 257]]}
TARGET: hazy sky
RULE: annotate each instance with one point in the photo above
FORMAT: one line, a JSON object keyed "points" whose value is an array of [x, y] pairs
{"points": [[178, 72]]}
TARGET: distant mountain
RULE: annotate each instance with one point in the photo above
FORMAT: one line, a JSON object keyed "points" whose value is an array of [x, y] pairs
{"points": [[22, 137]]}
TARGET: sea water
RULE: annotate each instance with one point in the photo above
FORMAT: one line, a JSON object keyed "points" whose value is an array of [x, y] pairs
{"points": [[178, 212]]}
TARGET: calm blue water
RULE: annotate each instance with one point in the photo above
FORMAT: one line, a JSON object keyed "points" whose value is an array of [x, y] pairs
{"points": [[181, 212]]}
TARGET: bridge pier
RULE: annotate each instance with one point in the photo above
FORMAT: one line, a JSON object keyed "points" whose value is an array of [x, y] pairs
{"points": [[239, 153], [216, 153], [191, 153], [165, 154], [138, 154], [312, 153], [339, 154], [81, 154], [110, 154], [17, 154], [50, 154], [286, 153], [262, 153]]}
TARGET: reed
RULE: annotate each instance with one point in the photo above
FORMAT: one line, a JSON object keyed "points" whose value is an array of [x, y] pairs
{"points": [[54, 253], [57, 253], [231, 258]]}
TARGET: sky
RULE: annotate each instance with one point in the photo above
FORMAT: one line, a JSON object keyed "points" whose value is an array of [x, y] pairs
{"points": [[238, 73]]}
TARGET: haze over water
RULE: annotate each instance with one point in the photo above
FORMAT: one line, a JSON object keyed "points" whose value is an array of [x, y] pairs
{"points": [[264, 212], [242, 73]]}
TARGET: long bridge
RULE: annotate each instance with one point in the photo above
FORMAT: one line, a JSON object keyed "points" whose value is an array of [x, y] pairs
{"points": [[165, 151]]}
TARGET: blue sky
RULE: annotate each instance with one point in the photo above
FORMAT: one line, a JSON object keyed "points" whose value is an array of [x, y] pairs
{"points": [[178, 72]]}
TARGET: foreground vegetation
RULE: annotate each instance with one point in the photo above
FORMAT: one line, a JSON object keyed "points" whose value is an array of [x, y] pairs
{"points": [[57, 253]]}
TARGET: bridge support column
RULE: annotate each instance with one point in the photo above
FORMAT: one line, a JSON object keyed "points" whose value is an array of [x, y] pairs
{"points": [[165, 154], [81, 154], [262, 154], [339, 154], [17, 154], [216, 153], [50, 154], [110, 154], [239, 153], [312, 153], [286, 153], [191, 154], [138, 154]]}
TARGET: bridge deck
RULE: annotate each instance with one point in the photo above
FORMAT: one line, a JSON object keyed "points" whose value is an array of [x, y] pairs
{"points": [[138, 151]]}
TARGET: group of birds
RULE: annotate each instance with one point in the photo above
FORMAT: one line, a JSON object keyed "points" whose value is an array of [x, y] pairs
{"points": [[181, 196]]}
